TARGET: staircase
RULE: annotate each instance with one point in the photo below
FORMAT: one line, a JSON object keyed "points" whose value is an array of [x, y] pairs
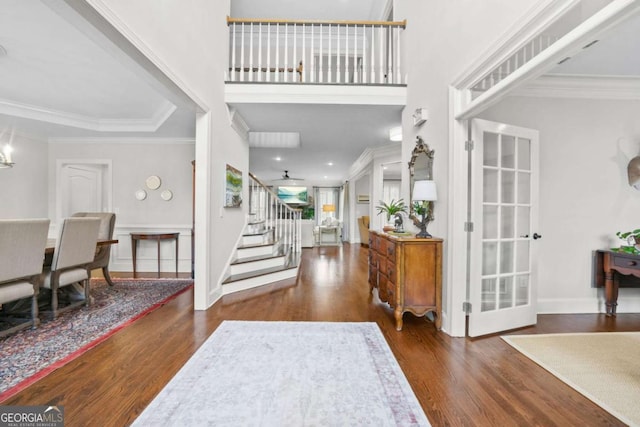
{"points": [[270, 247]]}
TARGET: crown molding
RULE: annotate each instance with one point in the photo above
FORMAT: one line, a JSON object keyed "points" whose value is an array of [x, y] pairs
{"points": [[238, 123], [369, 154], [582, 87], [65, 118], [121, 140]]}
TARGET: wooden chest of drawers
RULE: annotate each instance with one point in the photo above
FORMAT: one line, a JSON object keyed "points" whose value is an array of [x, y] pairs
{"points": [[407, 273]]}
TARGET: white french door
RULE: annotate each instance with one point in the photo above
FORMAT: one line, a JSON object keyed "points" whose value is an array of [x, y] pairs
{"points": [[504, 194]]}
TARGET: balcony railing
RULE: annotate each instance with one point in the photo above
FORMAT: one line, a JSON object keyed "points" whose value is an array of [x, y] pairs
{"points": [[317, 52]]}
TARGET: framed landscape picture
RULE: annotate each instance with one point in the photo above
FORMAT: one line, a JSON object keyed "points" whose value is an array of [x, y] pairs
{"points": [[233, 190]]}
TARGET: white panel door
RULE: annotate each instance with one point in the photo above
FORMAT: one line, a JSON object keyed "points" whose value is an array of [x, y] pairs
{"points": [[504, 194], [81, 189]]}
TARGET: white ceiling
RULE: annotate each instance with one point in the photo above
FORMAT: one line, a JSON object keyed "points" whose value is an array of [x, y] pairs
{"points": [[617, 53], [62, 78]]}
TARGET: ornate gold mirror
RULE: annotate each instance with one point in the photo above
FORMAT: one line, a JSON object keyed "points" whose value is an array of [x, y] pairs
{"points": [[420, 167]]}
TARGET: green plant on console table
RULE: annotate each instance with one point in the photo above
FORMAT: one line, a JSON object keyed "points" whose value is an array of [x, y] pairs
{"points": [[392, 208], [632, 238]]}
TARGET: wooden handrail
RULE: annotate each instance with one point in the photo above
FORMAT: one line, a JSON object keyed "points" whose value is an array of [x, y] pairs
{"points": [[401, 24]]}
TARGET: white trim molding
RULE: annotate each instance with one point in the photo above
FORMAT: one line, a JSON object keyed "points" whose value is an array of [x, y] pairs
{"points": [[537, 19], [582, 87], [314, 94]]}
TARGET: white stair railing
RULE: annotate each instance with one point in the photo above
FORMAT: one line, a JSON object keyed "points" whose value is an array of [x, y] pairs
{"points": [[265, 205], [341, 52]]}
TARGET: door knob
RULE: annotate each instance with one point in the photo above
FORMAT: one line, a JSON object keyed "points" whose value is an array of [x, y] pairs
{"points": [[537, 236]]}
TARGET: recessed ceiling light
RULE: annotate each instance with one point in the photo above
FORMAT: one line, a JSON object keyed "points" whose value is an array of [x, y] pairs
{"points": [[325, 177], [395, 134], [277, 159], [330, 164]]}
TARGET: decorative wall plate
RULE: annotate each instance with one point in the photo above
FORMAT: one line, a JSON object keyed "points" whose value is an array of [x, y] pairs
{"points": [[141, 194], [153, 182], [166, 195]]}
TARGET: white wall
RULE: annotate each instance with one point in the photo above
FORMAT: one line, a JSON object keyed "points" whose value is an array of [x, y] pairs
{"points": [[23, 188], [188, 41], [363, 187], [585, 198], [442, 39], [132, 162]]}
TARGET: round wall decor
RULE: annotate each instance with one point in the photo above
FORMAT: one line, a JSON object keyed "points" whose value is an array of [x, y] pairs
{"points": [[141, 194], [153, 182]]}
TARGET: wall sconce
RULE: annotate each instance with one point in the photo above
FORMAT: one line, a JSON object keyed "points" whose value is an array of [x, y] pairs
{"points": [[420, 116], [424, 194], [395, 134], [5, 157], [633, 172]]}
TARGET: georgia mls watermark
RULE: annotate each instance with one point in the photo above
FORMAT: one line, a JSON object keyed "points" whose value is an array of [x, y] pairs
{"points": [[32, 416]]}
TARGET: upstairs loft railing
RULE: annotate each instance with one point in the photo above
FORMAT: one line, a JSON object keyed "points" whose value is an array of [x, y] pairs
{"points": [[317, 52], [265, 205]]}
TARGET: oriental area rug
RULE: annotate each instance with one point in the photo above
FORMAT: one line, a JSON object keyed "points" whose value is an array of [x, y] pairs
{"points": [[289, 374], [29, 355], [603, 366]]}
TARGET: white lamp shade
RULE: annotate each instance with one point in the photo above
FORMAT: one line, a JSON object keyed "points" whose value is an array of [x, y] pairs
{"points": [[424, 190]]}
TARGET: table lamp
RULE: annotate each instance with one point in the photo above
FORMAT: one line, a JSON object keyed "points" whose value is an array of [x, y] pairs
{"points": [[328, 208], [424, 192]]}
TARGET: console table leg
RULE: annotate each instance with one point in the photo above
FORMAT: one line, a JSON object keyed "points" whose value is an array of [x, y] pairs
{"points": [[134, 243], [611, 293], [398, 315], [158, 258]]}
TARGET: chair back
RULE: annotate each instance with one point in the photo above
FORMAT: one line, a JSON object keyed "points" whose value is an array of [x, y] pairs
{"points": [[22, 246], [76, 244], [107, 223]]}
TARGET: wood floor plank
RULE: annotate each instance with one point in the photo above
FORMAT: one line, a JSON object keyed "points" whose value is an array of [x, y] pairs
{"points": [[458, 381]]}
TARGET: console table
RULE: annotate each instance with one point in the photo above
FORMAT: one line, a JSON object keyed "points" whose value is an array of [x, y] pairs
{"points": [[612, 265], [135, 237], [408, 274]]}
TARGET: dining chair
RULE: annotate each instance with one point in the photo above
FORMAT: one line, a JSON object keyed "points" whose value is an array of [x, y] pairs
{"points": [[22, 246], [103, 253], [74, 251]]}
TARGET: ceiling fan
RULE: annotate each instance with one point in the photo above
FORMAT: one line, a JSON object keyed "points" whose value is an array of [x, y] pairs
{"points": [[286, 177]]}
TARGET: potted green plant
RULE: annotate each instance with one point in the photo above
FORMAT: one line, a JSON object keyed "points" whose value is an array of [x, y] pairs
{"points": [[632, 238], [390, 209]]}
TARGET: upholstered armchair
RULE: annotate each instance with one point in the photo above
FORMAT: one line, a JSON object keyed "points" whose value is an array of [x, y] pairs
{"points": [[103, 253], [22, 246], [363, 226], [74, 252]]}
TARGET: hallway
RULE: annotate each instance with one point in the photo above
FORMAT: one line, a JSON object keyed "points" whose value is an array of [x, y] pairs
{"points": [[458, 381]]}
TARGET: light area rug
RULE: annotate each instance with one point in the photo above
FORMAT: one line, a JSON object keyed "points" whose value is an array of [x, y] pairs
{"points": [[289, 374], [31, 354], [603, 366]]}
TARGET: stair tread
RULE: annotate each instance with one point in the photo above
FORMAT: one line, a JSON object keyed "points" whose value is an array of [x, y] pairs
{"points": [[257, 273], [262, 221], [277, 254], [269, 242], [259, 233]]}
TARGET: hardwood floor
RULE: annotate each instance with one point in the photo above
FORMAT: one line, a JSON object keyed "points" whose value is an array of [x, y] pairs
{"points": [[458, 381]]}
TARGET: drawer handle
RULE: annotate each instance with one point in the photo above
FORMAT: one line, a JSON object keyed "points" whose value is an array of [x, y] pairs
{"points": [[631, 263]]}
